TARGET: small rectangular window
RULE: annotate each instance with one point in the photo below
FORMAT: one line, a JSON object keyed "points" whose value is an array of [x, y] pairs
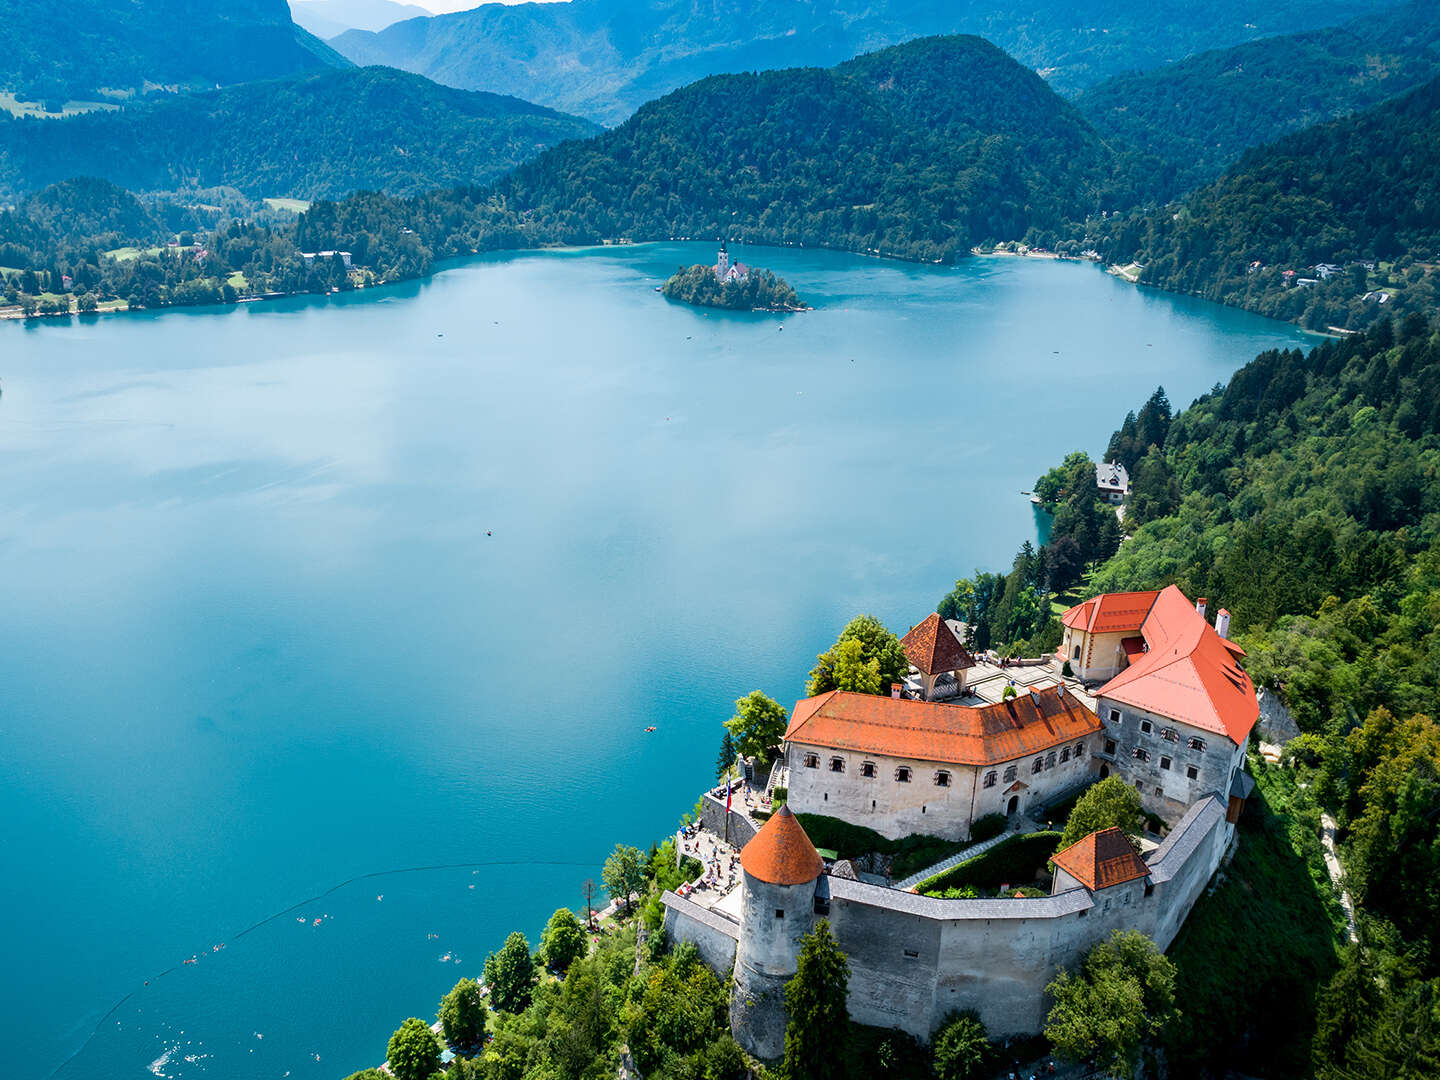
{"points": [[1114, 716], [1197, 744], [1164, 763], [942, 779], [1109, 746], [867, 770], [912, 954], [1145, 726], [1191, 772], [990, 778], [1010, 774], [837, 764], [779, 913], [1079, 751], [902, 775], [1064, 755], [812, 761], [822, 905], [1157, 790]]}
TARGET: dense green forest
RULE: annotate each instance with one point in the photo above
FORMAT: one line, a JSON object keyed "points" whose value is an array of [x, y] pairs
{"points": [[56, 52], [920, 151], [760, 290], [311, 136], [1362, 189], [604, 58], [1305, 497], [1190, 120]]}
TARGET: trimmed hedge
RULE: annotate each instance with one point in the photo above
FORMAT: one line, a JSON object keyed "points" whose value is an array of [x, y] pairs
{"points": [[987, 828], [1015, 862]]}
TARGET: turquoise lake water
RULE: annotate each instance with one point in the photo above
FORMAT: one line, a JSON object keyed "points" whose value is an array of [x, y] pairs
{"points": [[303, 591]]}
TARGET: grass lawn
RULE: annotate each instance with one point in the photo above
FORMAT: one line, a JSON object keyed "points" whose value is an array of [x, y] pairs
{"points": [[297, 206], [1258, 947], [237, 280], [9, 104], [126, 254]]}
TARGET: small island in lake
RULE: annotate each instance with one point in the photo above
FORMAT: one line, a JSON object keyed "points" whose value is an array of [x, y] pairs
{"points": [[731, 285]]}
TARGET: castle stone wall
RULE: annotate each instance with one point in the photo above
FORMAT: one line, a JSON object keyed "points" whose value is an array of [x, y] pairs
{"points": [[709, 931]]}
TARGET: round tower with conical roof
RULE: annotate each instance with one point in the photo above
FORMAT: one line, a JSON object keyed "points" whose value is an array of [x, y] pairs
{"points": [[780, 868]]}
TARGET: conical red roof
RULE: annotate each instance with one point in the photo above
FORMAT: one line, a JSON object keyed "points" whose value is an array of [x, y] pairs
{"points": [[781, 853]]}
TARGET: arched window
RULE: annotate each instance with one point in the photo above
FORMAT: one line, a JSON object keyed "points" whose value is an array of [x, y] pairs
{"points": [[1064, 755], [1037, 765], [1079, 750], [812, 761], [1010, 774], [902, 774], [1076, 654], [942, 779], [837, 764], [1050, 760], [990, 778]]}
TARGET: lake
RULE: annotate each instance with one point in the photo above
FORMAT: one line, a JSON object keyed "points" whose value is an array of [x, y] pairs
{"points": [[305, 591]]}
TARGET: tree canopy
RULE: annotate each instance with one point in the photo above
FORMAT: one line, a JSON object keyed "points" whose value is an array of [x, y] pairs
{"points": [[1123, 997], [563, 941], [758, 725], [510, 974], [1111, 803], [414, 1051], [623, 874], [815, 1007], [878, 661], [463, 1018]]}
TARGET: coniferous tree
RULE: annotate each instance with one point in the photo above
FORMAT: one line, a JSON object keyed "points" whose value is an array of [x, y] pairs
{"points": [[817, 1019]]}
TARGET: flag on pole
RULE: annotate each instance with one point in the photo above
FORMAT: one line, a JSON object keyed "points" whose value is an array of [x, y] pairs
{"points": [[729, 791]]}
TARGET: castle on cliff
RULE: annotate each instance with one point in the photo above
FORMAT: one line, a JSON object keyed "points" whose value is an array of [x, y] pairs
{"points": [[1170, 711]]}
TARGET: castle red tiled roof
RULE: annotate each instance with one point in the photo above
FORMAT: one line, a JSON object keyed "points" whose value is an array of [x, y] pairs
{"points": [[933, 647], [938, 731], [781, 853], [1111, 613], [1189, 673], [1102, 859]]}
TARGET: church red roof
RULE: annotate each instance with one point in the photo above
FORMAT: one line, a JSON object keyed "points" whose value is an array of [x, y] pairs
{"points": [[1189, 673], [781, 853], [933, 647], [939, 731], [1111, 613], [1102, 859]]}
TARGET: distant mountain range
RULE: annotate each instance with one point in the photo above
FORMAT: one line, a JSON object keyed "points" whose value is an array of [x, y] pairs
{"points": [[90, 49], [327, 18], [310, 136], [1196, 117], [604, 58]]}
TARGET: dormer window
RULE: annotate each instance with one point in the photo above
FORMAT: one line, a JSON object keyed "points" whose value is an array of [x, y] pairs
{"points": [[812, 761], [837, 764]]}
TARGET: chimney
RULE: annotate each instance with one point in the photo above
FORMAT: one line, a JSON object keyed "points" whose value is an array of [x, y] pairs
{"points": [[895, 689], [1200, 607], [1222, 623]]}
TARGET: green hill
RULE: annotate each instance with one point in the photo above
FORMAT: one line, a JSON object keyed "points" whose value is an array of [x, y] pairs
{"points": [[920, 150], [310, 136], [1362, 189], [78, 50], [604, 58], [1196, 117]]}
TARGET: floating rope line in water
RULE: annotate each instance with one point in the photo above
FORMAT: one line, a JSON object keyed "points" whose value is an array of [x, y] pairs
{"points": [[303, 903]]}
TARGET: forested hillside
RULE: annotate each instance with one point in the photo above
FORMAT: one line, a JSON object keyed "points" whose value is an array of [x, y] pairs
{"points": [[311, 136], [1304, 496], [604, 58], [76, 50], [920, 150], [1194, 118], [1362, 189]]}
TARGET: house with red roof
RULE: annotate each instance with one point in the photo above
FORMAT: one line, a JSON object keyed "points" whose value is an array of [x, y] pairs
{"points": [[903, 767], [1176, 705]]}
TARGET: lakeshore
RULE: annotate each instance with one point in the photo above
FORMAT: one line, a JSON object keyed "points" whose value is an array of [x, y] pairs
{"points": [[326, 469]]}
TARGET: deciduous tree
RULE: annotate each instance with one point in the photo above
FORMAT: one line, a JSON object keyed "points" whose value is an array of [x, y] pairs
{"points": [[463, 1018], [623, 874], [563, 941], [414, 1051], [1110, 803], [511, 974], [758, 724]]}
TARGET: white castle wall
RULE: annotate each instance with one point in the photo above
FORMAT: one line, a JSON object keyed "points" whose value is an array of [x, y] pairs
{"points": [[914, 959]]}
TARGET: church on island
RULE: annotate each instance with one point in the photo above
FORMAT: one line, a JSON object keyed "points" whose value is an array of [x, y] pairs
{"points": [[726, 271], [1143, 688]]}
